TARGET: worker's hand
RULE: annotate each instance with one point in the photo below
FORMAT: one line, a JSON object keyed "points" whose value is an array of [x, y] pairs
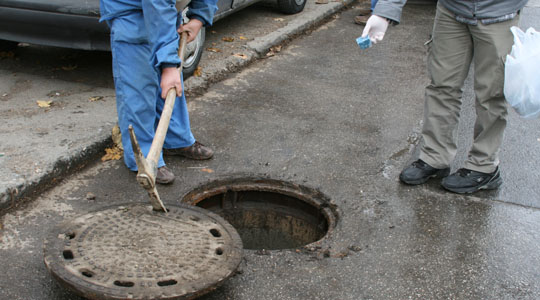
{"points": [[170, 78], [376, 28], [192, 28]]}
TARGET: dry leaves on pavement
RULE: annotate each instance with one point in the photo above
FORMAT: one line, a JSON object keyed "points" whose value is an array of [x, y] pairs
{"points": [[198, 72], [212, 49], [117, 137], [96, 98], [273, 50], [44, 103], [113, 153], [7, 54], [228, 39], [240, 55]]}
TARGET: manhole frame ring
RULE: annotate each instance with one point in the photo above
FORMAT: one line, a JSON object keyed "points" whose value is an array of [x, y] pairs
{"points": [[309, 195]]}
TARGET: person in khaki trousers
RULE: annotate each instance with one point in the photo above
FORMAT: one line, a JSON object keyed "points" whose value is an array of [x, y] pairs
{"points": [[464, 32]]}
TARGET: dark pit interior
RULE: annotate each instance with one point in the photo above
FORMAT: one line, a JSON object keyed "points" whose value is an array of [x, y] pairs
{"points": [[269, 220]]}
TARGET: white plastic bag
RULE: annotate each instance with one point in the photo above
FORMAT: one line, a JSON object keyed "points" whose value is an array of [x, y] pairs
{"points": [[522, 73]]}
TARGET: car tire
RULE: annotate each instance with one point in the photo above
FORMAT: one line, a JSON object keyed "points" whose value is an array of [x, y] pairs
{"points": [[291, 6], [7, 45], [194, 51]]}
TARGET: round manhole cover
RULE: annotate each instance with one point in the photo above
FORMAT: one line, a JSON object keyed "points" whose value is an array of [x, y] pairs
{"points": [[133, 252]]}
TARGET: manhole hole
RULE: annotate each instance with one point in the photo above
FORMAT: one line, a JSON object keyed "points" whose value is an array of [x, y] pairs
{"points": [[133, 252], [268, 214]]}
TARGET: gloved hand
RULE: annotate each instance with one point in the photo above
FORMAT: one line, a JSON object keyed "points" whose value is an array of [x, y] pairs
{"points": [[376, 28]]}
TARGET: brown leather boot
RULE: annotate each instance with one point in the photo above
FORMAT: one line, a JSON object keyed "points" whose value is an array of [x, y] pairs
{"points": [[164, 176], [361, 20], [196, 151], [364, 11]]}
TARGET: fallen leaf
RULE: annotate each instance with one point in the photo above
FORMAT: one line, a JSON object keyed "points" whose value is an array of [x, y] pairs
{"points": [[69, 68], [90, 196], [279, 19], [211, 49], [7, 54], [44, 103], [276, 48], [112, 154], [321, 1], [242, 37], [96, 98], [198, 72], [207, 170], [273, 50], [228, 39], [213, 31], [117, 137], [242, 56]]}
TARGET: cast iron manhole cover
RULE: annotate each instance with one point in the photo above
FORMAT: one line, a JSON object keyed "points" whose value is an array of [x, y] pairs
{"points": [[133, 252]]}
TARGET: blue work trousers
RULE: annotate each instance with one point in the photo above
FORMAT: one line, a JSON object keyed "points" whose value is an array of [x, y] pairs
{"points": [[139, 102], [373, 3]]}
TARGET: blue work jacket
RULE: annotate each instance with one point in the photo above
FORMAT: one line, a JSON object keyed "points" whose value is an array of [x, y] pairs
{"points": [[154, 22]]}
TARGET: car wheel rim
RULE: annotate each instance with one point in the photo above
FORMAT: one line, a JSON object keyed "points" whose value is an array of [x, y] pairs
{"points": [[192, 49]]}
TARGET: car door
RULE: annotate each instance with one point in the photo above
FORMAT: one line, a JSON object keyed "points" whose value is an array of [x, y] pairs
{"points": [[224, 6], [241, 3]]}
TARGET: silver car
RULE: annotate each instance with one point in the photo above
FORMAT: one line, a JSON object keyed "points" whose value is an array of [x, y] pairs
{"points": [[75, 24]]}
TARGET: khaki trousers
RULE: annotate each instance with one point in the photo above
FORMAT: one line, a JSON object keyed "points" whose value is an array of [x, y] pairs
{"points": [[454, 46]]}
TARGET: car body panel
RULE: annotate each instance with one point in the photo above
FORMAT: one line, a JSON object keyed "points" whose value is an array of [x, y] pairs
{"points": [[70, 24], [85, 8], [53, 28]]}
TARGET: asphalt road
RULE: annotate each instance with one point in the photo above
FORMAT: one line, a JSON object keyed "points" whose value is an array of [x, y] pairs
{"points": [[325, 114]]}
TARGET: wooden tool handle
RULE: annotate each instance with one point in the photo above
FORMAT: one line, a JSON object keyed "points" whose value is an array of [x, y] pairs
{"points": [[163, 125]]}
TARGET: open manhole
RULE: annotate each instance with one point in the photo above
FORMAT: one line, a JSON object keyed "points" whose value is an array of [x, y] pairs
{"points": [[134, 252], [268, 214]]}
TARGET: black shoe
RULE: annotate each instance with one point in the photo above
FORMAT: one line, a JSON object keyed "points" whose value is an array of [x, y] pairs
{"points": [[419, 172], [164, 175], [469, 181]]}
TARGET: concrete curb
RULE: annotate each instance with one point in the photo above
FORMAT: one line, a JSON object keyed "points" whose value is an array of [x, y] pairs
{"points": [[13, 192]]}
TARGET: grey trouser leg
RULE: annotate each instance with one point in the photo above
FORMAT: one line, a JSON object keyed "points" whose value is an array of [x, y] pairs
{"points": [[455, 45]]}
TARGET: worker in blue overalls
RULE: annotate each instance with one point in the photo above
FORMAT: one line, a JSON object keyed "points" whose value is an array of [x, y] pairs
{"points": [[144, 46]]}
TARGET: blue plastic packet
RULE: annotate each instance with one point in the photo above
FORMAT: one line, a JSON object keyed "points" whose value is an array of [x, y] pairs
{"points": [[364, 43]]}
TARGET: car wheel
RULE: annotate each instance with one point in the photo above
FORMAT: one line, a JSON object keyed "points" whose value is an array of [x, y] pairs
{"points": [[291, 6], [193, 54], [7, 45]]}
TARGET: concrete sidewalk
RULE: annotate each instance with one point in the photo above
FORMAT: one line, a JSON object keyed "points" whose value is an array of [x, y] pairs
{"points": [[39, 145]]}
